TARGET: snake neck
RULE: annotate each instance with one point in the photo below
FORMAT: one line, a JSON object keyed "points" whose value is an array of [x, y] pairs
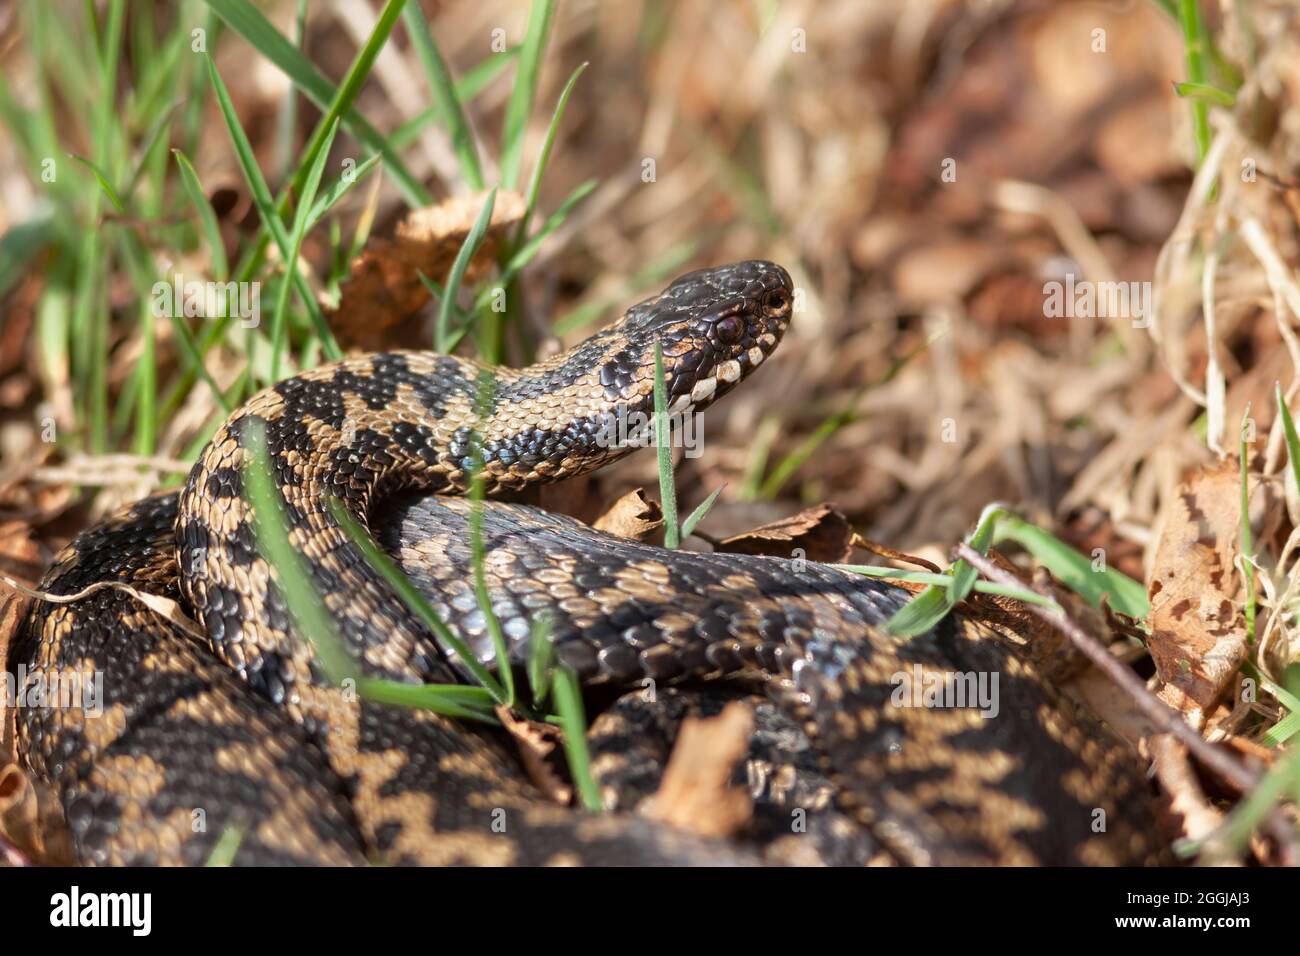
{"points": [[363, 427], [359, 430]]}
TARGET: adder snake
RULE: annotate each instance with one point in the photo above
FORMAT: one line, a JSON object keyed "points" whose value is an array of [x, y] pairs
{"points": [[241, 730]]}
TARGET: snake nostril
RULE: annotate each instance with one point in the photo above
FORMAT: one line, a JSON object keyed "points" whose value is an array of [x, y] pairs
{"points": [[776, 301]]}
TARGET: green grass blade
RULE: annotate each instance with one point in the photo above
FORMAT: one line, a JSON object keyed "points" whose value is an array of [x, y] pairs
{"points": [[541, 658], [524, 92], [207, 217], [470, 85], [457, 273], [1076, 571], [223, 854], [278, 324], [483, 403], [451, 700], [525, 253], [154, 139], [1288, 726], [1292, 439], [1282, 777], [475, 80], [945, 581], [539, 167], [309, 615], [292, 579], [21, 243], [1204, 91], [378, 559], [104, 184], [349, 88], [795, 460], [805, 450], [1247, 547], [696, 516], [287, 116], [445, 100], [568, 701], [261, 195], [337, 190], [663, 443], [932, 605], [1194, 46], [252, 25]]}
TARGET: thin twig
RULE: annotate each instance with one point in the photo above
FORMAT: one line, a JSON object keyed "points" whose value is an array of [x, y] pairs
{"points": [[166, 607]]}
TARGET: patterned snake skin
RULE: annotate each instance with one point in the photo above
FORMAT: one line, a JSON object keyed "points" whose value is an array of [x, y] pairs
{"points": [[241, 731]]}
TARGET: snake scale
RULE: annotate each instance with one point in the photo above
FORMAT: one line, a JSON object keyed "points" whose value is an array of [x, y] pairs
{"points": [[241, 730]]}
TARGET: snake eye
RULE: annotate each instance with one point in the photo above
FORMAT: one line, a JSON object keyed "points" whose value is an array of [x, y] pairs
{"points": [[730, 329], [776, 301]]}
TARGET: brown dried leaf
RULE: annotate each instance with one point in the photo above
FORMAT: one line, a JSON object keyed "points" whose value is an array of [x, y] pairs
{"points": [[31, 820], [1192, 813], [1134, 141], [943, 272], [633, 516], [30, 816], [822, 533], [537, 742], [384, 286], [1197, 637], [20, 559], [695, 793]]}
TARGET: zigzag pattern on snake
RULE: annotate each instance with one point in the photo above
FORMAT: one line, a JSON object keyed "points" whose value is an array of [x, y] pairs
{"points": [[241, 730]]}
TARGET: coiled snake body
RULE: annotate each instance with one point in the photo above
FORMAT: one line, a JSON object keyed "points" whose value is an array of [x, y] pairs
{"points": [[241, 730]]}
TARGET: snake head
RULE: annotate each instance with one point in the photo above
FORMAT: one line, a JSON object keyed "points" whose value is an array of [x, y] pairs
{"points": [[716, 326]]}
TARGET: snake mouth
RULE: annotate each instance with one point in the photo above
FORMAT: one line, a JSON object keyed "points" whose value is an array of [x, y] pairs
{"points": [[717, 326], [714, 327], [704, 374], [734, 339]]}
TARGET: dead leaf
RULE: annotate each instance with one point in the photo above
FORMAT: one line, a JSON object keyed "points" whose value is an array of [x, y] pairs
{"points": [[384, 287], [1197, 635], [942, 272], [633, 516], [695, 793], [821, 533], [1188, 805], [1133, 143], [31, 820], [537, 742], [20, 558]]}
